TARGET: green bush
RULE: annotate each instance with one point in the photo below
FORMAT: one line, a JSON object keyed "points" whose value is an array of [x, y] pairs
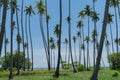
{"points": [[115, 74], [114, 60], [81, 67]]}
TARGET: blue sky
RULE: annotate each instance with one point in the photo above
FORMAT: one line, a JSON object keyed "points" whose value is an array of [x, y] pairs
{"points": [[53, 10]]}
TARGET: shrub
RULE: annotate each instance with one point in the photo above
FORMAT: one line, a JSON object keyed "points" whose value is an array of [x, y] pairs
{"points": [[114, 60], [115, 74], [81, 67]]}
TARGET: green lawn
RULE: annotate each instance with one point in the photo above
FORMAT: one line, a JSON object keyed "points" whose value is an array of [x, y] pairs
{"points": [[64, 75]]}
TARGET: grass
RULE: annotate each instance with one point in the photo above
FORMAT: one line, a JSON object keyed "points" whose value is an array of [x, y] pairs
{"points": [[104, 74]]}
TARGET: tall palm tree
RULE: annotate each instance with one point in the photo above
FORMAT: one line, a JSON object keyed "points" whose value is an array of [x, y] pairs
{"points": [[88, 12], [59, 42], [18, 36], [6, 41], [47, 22], [115, 3], [23, 42], [79, 25], [41, 9], [29, 11], [66, 43], [52, 46], [109, 22], [11, 39], [74, 40], [69, 33], [2, 32], [95, 72], [95, 18]]}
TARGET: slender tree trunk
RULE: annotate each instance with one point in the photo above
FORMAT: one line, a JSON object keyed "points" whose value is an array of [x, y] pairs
{"points": [[59, 42], [5, 48], [22, 32], [26, 33], [95, 72], [18, 43], [80, 50], [117, 46], [70, 48], [11, 45], [75, 52], [2, 32], [66, 54], [48, 47], [31, 43], [111, 39]]}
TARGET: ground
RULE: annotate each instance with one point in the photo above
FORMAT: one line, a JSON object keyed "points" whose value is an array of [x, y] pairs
{"points": [[104, 74]]}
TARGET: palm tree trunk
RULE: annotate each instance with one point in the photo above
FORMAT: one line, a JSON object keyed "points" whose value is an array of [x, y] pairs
{"points": [[59, 42], [22, 32], [111, 39], [5, 48], [26, 33], [18, 43], [48, 47], [95, 72], [117, 46], [70, 48], [31, 42], [3, 24], [11, 46]]}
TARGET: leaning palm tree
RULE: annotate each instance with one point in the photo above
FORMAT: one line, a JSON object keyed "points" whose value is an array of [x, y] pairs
{"points": [[2, 31], [29, 11], [41, 9], [47, 23], [95, 72]]}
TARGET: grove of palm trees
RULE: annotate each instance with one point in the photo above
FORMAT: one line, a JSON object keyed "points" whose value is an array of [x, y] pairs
{"points": [[59, 39]]}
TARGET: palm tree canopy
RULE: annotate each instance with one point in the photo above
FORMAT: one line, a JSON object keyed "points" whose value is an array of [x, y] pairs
{"points": [[114, 3], [109, 20], [14, 5], [87, 39], [29, 10], [57, 30], [87, 10], [6, 41], [94, 16], [68, 19], [82, 14], [79, 24], [65, 41], [83, 46], [51, 40], [40, 7], [78, 34], [74, 39]]}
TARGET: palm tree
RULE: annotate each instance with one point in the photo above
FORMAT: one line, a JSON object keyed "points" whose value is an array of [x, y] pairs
{"points": [[69, 33], [41, 10], [95, 72], [6, 41], [2, 32], [79, 25], [115, 3], [23, 42], [88, 12], [29, 12], [59, 42], [74, 40], [109, 22], [47, 22], [66, 43], [52, 46], [95, 18]]}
